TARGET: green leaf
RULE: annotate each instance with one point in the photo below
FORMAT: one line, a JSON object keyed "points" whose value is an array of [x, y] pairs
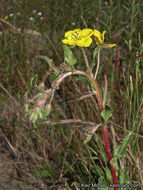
{"points": [[53, 77], [106, 113], [115, 163], [74, 184], [26, 107], [114, 160], [123, 147], [124, 179], [95, 51], [108, 174], [42, 173], [88, 138], [68, 56], [102, 181], [131, 86], [33, 116], [41, 114], [92, 63], [33, 81], [93, 151], [67, 185], [45, 58], [94, 56], [49, 61]]}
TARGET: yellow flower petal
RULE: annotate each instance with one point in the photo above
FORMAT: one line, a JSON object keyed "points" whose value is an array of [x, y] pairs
{"points": [[68, 34], [98, 41], [109, 45], [99, 38], [102, 35], [76, 30], [71, 33], [69, 42], [96, 33], [85, 42], [86, 33], [6, 17]]}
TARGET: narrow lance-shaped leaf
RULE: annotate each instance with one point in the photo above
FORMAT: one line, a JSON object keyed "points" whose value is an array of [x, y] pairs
{"points": [[124, 179], [108, 174], [88, 138], [96, 51], [102, 181], [123, 147], [33, 81], [53, 77], [45, 58], [49, 61], [94, 56], [42, 173]]}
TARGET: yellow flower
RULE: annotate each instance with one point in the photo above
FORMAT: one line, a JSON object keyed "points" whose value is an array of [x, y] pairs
{"points": [[78, 37], [99, 38], [6, 17]]}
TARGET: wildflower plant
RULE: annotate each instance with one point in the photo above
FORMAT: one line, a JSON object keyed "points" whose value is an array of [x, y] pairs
{"points": [[39, 107]]}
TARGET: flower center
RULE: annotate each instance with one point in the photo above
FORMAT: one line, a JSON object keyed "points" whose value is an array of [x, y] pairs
{"points": [[76, 35]]}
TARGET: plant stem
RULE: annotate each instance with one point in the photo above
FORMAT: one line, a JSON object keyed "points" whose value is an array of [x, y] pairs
{"points": [[85, 57], [106, 140], [98, 94], [105, 132], [98, 63], [105, 92]]}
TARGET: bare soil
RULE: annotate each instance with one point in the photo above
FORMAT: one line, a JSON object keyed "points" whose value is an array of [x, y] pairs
{"points": [[11, 180]]}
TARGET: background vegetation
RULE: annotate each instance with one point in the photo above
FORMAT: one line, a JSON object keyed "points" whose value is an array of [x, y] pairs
{"points": [[56, 153]]}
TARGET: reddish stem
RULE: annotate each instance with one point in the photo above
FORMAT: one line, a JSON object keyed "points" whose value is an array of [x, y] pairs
{"points": [[105, 132], [106, 139]]}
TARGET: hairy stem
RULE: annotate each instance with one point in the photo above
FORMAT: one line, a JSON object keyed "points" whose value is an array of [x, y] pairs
{"points": [[108, 151]]}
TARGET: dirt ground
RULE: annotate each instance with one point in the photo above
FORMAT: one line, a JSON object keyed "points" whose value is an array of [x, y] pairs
{"points": [[11, 180]]}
